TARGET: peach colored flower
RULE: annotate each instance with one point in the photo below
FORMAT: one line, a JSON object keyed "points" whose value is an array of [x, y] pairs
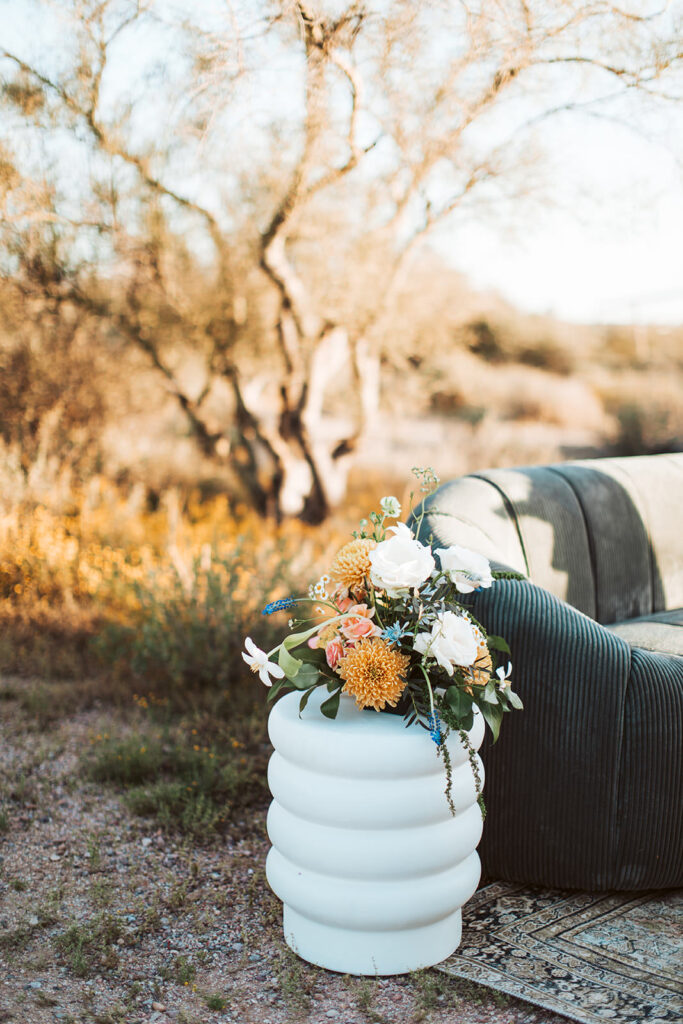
{"points": [[323, 636], [358, 624], [344, 603], [333, 652]]}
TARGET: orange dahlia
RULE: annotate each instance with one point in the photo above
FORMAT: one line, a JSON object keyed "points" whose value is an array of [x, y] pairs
{"points": [[373, 673], [352, 564]]}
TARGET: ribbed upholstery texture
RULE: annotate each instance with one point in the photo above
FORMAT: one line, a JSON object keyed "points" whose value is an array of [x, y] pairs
{"points": [[584, 786]]}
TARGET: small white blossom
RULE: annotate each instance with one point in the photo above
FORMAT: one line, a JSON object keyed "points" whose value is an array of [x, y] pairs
{"points": [[467, 569], [391, 507], [257, 660], [318, 591], [452, 641], [504, 673], [400, 563]]}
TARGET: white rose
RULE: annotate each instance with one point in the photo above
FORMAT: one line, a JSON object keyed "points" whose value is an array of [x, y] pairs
{"points": [[452, 641], [467, 569], [400, 563], [391, 507]]}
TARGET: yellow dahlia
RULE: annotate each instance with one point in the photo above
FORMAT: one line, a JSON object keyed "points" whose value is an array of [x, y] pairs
{"points": [[352, 564], [373, 673], [480, 671]]}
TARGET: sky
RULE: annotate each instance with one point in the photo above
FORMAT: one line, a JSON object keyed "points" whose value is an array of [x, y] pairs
{"points": [[611, 249]]}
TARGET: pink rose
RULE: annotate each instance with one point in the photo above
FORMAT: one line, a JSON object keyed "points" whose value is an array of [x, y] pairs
{"points": [[344, 603], [313, 642], [333, 652]]}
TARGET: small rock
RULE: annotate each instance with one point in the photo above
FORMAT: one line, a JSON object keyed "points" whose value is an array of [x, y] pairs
{"points": [[146, 842], [237, 946], [332, 1013], [158, 1006], [54, 856], [33, 921], [254, 957], [35, 984]]}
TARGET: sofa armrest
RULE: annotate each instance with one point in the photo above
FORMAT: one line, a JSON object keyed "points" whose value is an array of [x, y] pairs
{"points": [[552, 778], [583, 786]]}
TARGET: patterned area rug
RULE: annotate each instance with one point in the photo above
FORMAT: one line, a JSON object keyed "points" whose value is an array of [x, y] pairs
{"points": [[595, 958]]}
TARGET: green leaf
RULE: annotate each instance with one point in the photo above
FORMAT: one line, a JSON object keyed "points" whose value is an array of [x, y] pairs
{"points": [[493, 716], [490, 694], [307, 675], [289, 665], [498, 643], [276, 687], [459, 701], [304, 700], [312, 655], [514, 699], [467, 722], [330, 707]]}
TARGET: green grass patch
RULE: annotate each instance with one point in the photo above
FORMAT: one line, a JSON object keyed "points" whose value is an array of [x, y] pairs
{"points": [[216, 1002], [89, 946], [182, 786], [184, 971], [433, 989]]}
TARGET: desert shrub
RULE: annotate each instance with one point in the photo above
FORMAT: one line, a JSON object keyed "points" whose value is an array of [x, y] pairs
{"points": [[453, 403], [646, 429], [48, 643], [485, 340], [647, 407], [519, 340], [547, 355], [162, 596], [186, 631]]}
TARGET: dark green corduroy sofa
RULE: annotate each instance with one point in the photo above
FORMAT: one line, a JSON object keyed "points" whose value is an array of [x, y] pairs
{"points": [[584, 786]]}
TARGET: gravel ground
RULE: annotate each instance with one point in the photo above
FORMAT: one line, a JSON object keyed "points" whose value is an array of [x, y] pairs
{"points": [[105, 919]]}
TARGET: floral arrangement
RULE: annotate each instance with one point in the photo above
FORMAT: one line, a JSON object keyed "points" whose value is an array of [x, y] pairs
{"points": [[387, 626]]}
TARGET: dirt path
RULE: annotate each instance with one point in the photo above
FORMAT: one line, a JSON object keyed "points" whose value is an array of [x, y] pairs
{"points": [[105, 919]]}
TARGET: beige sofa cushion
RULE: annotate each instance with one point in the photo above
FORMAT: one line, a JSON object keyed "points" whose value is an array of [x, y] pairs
{"points": [[662, 632]]}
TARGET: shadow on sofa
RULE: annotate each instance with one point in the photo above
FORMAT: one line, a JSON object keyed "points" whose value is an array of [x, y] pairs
{"points": [[584, 787]]}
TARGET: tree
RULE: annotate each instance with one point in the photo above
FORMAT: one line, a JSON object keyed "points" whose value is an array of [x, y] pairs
{"points": [[260, 199]]}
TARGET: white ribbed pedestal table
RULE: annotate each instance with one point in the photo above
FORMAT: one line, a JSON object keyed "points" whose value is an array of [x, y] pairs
{"points": [[367, 859]]}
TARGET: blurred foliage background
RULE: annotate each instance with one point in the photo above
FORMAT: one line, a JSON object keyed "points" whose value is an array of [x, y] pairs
{"points": [[222, 323]]}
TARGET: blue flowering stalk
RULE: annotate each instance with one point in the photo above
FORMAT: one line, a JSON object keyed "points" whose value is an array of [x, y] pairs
{"points": [[282, 605], [434, 723]]}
